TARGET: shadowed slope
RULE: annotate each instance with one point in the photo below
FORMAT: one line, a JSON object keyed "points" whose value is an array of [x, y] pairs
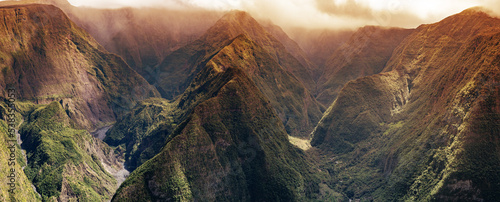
{"points": [[181, 66], [231, 146], [365, 53], [143, 131], [281, 77], [427, 130]]}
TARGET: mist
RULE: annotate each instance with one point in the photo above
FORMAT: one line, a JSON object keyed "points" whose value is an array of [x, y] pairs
{"points": [[320, 14]]}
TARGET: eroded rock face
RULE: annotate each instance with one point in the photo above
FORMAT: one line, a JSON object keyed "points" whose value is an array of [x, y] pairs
{"points": [[46, 58]]}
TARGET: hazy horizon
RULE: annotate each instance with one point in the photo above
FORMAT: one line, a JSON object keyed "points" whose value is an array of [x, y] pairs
{"points": [[318, 14]]}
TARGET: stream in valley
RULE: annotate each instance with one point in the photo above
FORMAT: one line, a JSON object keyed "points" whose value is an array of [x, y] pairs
{"points": [[119, 175]]}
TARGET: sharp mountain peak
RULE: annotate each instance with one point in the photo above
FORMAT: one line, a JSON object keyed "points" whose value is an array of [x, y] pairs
{"points": [[237, 16], [237, 22]]}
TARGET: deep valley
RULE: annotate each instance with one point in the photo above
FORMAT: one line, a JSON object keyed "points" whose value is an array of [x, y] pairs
{"points": [[155, 104]]}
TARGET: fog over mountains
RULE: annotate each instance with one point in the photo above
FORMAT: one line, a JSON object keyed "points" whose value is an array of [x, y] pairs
{"points": [[199, 103]]}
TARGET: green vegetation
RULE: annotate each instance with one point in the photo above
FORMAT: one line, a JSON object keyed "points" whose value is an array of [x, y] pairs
{"points": [[142, 133], [425, 131], [423, 127], [58, 158], [239, 40], [23, 191], [229, 141]]}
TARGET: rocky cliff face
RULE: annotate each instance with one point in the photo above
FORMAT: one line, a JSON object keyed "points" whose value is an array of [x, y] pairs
{"points": [[184, 61], [141, 36], [48, 58], [230, 146], [425, 128]]}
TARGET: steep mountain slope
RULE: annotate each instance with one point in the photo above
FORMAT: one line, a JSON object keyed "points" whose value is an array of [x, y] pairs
{"points": [[365, 53], [294, 105], [319, 45], [11, 157], [181, 66], [64, 163], [283, 74], [141, 36], [291, 46], [230, 146], [427, 128], [63, 82], [143, 131], [48, 58]]}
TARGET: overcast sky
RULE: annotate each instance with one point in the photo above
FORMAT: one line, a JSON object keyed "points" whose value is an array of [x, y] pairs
{"points": [[321, 13]]}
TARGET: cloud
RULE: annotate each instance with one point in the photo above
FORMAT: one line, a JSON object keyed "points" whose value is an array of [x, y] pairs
{"points": [[350, 8], [332, 14]]}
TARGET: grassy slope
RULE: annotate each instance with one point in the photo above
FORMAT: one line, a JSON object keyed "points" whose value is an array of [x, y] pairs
{"points": [[64, 163], [24, 191], [430, 132], [231, 146]]}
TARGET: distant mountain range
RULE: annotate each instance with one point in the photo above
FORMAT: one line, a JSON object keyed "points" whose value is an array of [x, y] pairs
{"points": [[201, 105]]}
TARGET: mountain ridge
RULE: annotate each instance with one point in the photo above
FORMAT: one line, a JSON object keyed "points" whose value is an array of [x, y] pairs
{"points": [[235, 137], [80, 68], [422, 133], [181, 67]]}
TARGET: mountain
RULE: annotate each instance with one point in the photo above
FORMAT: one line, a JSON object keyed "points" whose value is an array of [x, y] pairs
{"points": [[12, 163], [65, 163], [299, 111], [426, 128], [291, 46], [143, 131], [141, 36], [319, 44], [365, 53], [65, 85], [230, 145], [182, 63], [46, 58]]}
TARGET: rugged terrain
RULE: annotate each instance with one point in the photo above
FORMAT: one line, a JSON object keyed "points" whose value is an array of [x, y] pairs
{"points": [[365, 53], [48, 58], [65, 163], [413, 114], [285, 81], [424, 129], [65, 84], [230, 146]]}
